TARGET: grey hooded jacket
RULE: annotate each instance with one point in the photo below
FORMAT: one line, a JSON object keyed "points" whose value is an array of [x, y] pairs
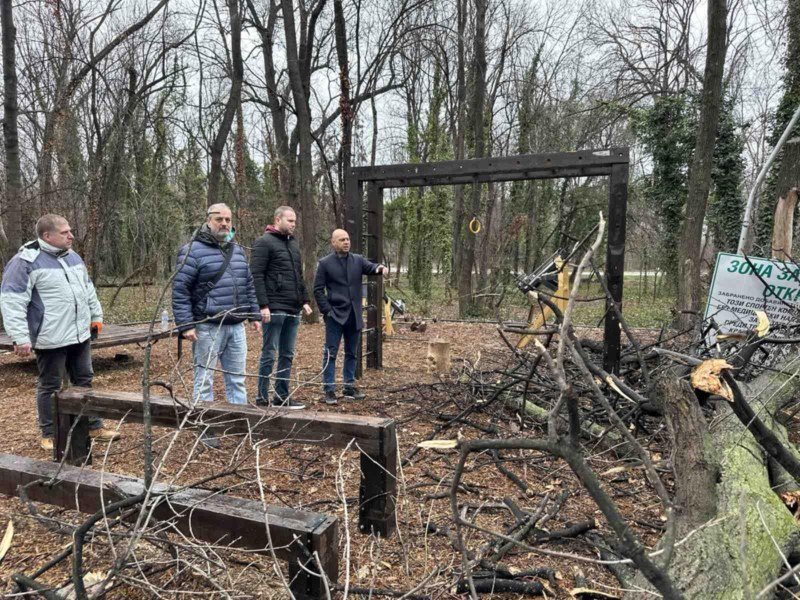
{"points": [[47, 298]]}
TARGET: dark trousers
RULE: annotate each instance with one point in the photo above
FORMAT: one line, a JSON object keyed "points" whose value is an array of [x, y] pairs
{"points": [[334, 331], [74, 360]]}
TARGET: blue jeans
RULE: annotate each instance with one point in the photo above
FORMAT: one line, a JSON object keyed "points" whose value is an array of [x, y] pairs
{"points": [[333, 335], [279, 336], [228, 343]]}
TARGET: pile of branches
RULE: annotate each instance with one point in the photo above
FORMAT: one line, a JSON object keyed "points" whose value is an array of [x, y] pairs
{"points": [[717, 411]]}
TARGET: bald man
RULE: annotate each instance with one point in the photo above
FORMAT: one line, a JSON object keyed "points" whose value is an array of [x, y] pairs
{"points": [[337, 290]]}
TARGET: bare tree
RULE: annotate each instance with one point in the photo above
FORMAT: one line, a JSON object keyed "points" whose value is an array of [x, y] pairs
{"points": [[700, 170], [11, 236], [233, 103]]}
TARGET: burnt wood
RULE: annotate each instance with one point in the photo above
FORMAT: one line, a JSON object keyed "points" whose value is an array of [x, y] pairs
{"points": [[611, 163], [374, 436], [374, 252], [218, 519], [496, 168]]}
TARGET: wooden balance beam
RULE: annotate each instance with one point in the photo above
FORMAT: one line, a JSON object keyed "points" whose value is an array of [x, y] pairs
{"points": [[375, 436], [200, 514]]}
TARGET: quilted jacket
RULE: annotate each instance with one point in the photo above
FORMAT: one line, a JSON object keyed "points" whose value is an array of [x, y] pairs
{"points": [[47, 298], [195, 296]]}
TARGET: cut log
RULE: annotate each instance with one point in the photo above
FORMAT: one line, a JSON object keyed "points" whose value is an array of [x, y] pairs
{"points": [[737, 553], [438, 356]]}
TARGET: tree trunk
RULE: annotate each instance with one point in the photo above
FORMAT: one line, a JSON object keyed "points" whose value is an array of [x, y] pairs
{"points": [[787, 186], [231, 106], [105, 182], [737, 556], [689, 257], [284, 158], [11, 236], [345, 152], [465, 299], [460, 140], [308, 220]]}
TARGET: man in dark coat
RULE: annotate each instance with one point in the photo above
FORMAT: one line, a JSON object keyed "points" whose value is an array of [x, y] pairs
{"points": [[337, 290], [282, 296], [212, 297]]}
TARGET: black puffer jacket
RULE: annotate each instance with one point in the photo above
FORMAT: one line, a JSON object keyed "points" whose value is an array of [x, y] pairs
{"points": [[278, 272]]}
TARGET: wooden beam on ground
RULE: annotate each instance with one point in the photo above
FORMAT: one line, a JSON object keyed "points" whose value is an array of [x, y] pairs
{"points": [[201, 514], [374, 436]]}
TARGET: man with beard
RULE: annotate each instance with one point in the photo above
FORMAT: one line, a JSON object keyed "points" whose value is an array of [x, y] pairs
{"points": [[212, 297]]}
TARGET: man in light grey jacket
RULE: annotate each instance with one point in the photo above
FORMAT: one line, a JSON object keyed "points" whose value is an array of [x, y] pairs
{"points": [[50, 306]]}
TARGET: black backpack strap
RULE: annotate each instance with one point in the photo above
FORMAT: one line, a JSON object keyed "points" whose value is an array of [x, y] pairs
{"points": [[209, 285]]}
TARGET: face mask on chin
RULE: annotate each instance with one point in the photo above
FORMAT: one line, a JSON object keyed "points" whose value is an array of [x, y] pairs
{"points": [[223, 236]]}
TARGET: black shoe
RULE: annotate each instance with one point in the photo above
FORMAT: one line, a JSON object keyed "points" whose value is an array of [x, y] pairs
{"points": [[288, 404], [330, 398], [353, 393], [209, 441], [262, 402]]}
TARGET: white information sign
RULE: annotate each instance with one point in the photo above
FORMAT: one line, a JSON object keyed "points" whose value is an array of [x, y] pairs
{"points": [[739, 288]]}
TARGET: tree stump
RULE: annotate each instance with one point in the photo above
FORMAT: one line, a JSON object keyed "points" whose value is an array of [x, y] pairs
{"points": [[438, 358]]}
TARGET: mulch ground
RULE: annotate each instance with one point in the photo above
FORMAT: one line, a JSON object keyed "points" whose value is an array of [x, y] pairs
{"points": [[302, 476]]}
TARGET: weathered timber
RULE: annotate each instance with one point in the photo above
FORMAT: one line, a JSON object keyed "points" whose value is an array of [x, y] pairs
{"points": [[208, 516], [112, 335], [374, 436]]}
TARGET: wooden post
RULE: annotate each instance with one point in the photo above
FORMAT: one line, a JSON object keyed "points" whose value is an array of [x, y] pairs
{"points": [[374, 252], [78, 451], [438, 359], [377, 493]]}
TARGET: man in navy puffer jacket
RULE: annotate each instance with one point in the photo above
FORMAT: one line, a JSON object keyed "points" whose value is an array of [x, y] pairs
{"points": [[210, 305]]}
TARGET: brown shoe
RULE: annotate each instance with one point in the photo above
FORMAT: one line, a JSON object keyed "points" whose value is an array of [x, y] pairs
{"points": [[46, 443], [104, 435]]}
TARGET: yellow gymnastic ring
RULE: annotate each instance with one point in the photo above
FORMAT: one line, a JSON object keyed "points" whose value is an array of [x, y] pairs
{"points": [[475, 226]]}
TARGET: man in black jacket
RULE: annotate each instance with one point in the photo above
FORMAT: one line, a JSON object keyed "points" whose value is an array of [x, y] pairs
{"points": [[278, 277], [337, 290]]}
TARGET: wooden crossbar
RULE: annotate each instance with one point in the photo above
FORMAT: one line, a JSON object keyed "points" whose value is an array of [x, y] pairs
{"points": [[375, 436], [204, 515]]}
